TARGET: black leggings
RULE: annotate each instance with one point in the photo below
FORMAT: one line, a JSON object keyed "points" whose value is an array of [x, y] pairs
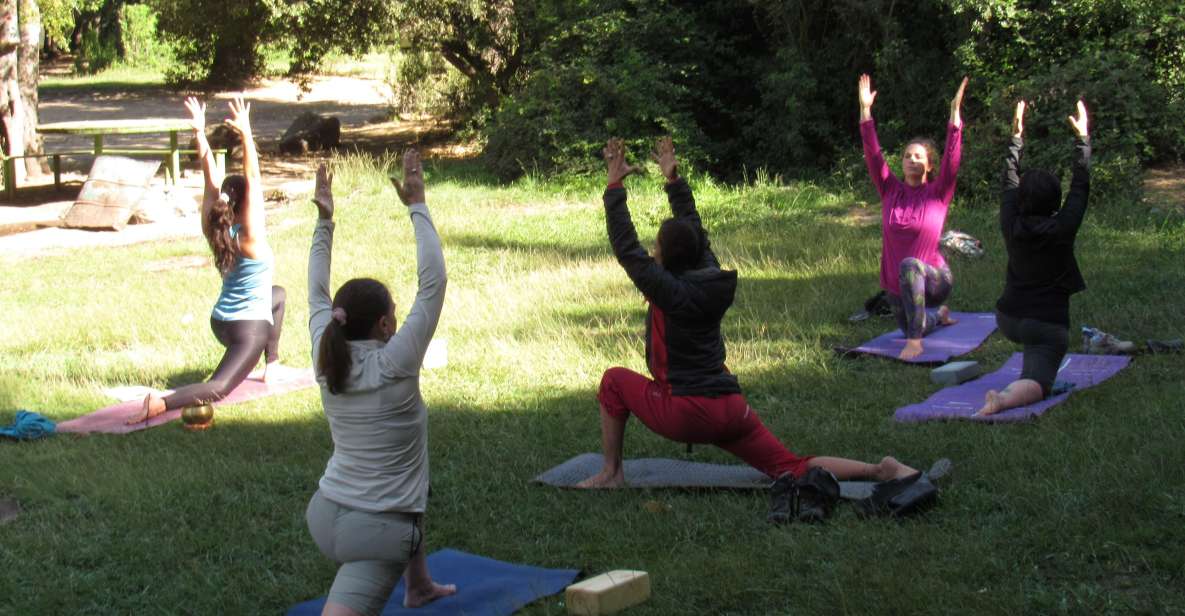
{"points": [[245, 341], [1045, 344]]}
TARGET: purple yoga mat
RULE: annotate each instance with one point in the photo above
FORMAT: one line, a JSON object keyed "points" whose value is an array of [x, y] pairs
{"points": [[962, 401], [942, 344], [112, 419]]}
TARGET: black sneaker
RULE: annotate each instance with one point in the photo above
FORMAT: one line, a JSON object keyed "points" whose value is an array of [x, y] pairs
{"points": [[808, 499], [783, 500], [899, 497], [818, 491]]}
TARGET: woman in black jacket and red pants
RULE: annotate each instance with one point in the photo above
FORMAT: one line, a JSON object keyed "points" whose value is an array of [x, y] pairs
{"points": [[692, 397], [1042, 271]]}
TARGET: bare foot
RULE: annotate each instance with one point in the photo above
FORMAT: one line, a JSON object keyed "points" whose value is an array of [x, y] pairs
{"points": [[890, 468], [270, 373], [913, 348], [413, 598], [991, 404], [944, 316], [604, 479], [153, 405]]}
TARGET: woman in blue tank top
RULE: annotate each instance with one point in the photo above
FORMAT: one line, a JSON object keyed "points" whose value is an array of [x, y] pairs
{"points": [[249, 313]]}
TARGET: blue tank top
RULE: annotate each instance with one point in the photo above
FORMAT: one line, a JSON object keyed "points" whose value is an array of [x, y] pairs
{"points": [[246, 289]]}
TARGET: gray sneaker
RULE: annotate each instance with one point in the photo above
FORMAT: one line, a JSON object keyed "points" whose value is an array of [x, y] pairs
{"points": [[1098, 342]]}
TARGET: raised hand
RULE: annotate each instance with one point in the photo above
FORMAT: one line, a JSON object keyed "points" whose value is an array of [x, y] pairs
{"points": [[867, 95], [1018, 120], [197, 113], [615, 164], [664, 155], [240, 116], [956, 103], [1079, 123], [411, 190], [323, 192]]}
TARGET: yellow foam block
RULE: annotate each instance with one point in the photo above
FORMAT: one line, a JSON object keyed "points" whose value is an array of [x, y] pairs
{"points": [[608, 593]]}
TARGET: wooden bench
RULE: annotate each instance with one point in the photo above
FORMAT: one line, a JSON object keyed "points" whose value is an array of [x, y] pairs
{"points": [[168, 156]]}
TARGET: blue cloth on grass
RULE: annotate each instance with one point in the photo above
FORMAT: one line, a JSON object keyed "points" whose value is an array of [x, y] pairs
{"points": [[484, 587], [28, 426]]}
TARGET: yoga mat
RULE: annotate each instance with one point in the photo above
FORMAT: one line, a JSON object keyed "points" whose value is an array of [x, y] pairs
{"points": [[111, 419], [485, 587], [942, 344], [962, 401], [665, 473]]}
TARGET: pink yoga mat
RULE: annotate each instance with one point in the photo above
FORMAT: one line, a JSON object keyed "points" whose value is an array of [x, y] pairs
{"points": [[962, 401], [112, 419], [942, 344]]}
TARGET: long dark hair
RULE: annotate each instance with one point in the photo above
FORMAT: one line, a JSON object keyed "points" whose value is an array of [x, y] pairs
{"points": [[364, 301], [219, 221]]}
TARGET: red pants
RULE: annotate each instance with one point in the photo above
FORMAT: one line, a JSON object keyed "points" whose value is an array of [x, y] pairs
{"points": [[726, 421]]}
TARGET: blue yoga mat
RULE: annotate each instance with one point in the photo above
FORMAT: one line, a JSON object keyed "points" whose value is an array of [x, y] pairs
{"points": [[942, 344], [485, 587]]}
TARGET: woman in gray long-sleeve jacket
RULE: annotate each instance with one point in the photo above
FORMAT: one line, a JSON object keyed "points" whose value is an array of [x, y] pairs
{"points": [[366, 514]]}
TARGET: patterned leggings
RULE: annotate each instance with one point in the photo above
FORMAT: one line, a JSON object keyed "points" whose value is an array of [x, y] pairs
{"points": [[923, 289]]}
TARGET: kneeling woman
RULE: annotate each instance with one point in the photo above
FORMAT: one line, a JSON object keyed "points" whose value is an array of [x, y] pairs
{"points": [[367, 511], [692, 397], [249, 314], [913, 212], [1042, 271]]}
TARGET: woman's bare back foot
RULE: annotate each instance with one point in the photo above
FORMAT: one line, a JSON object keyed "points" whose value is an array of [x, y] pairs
{"points": [[944, 317], [153, 405], [891, 468], [604, 479], [991, 403], [419, 597], [913, 348]]}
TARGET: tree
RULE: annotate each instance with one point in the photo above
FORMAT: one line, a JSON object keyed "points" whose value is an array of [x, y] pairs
{"points": [[20, 49]]}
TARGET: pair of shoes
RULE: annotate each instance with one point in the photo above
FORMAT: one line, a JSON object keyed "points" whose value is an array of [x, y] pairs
{"points": [[1175, 345], [810, 498], [961, 243], [899, 497], [1098, 342]]}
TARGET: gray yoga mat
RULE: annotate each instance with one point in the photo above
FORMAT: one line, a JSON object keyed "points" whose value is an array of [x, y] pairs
{"points": [[666, 473]]}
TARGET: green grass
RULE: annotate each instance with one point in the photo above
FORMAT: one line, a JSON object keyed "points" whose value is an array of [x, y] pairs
{"points": [[1082, 511], [118, 77]]}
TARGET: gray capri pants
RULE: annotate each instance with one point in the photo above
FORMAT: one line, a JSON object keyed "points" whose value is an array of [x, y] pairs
{"points": [[1045, 344], [373, 549]]}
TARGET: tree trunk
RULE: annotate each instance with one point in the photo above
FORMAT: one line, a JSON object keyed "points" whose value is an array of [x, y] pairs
{"points": [[11, 134], [28, 60]]}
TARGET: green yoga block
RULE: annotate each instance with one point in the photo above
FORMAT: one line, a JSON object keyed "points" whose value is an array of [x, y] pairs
{"points": [[955, 372]]}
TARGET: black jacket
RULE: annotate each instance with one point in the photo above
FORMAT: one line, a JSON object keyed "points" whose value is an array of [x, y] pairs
{"points": [[691, 303], [1042, 270]]}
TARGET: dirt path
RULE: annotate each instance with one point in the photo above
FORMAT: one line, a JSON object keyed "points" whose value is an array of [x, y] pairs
{"points": [[360, 104]]}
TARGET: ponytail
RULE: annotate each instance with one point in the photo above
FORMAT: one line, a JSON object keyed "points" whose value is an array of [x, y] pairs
{"points": [[357, 307]]}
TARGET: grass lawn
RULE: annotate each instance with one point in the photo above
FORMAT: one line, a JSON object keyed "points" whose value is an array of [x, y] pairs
{"points": [[1082, 511]]}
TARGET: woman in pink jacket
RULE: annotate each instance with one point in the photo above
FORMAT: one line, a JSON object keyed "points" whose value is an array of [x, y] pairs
{"points": [[913, 272]]}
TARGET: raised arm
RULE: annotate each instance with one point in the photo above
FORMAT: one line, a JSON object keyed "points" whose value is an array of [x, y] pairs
{"points": [[320, 257], [210, 171], [877, 169], [404, 352], [680, 198], [655, 282], [254, 232], [1070, 216], [1009, 196], [952, 154]]}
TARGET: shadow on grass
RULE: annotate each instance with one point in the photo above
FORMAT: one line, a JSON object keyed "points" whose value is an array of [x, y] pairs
{"points": [[550, 249]]}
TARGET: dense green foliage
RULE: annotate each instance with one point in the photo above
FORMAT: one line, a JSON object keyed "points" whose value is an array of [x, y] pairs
{"points": [[772, 85]]}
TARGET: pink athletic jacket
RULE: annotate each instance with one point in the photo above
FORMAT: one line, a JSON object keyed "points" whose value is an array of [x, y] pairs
{"points": [[912, 217]]}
